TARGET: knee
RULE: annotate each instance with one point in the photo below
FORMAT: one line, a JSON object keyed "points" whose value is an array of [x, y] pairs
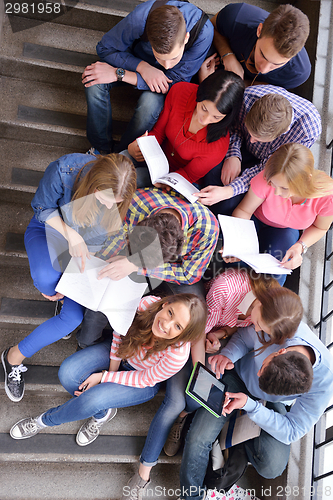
{"points": [[45, 280], [97, 92], [151, 103]]}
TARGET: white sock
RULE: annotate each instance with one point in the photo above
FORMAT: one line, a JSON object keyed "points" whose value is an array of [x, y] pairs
{"points": [[103, 419], [40, 421]]}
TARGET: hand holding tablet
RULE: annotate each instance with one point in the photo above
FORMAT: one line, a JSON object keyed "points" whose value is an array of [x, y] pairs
{"points": [[206, 389]]}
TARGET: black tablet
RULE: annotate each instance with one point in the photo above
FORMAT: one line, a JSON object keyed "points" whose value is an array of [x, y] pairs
{"points": [[206, 389]]}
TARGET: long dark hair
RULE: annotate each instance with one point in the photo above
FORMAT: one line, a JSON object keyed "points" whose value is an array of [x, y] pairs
{"points": [[225, 89], [140, 332]]}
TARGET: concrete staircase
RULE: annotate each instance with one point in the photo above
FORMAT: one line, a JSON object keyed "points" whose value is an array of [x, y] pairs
{"points": [[42, 117]]}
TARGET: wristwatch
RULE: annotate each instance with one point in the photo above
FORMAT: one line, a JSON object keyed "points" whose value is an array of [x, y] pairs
{"points": [[304, 247], [120, 72]]}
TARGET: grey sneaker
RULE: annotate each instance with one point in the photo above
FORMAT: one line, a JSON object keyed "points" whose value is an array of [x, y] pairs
{"points": [[14, 381], [135, 488], [89, 431], [25, 428], [173, 441]]}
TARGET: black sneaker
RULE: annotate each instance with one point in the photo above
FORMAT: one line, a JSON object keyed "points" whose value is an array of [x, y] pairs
{"points": [[14, 381]]}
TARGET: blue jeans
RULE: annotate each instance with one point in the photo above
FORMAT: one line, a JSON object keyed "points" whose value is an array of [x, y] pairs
{"points": [[46, 271], [142, 173], [99, 116], [268, 456], [172, 405], [97, 400], [276, 241]]}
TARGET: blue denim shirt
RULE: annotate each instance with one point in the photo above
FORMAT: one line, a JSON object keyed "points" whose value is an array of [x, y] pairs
{"points": [[54, 194], [115, 48]]}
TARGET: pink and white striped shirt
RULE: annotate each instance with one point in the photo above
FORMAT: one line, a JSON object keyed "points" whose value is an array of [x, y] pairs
{"points": [[158, 367], [225, 293]]}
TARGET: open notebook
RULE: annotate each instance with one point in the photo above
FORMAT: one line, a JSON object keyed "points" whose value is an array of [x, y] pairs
{"points": [[118, 300], [240, 240], [158, 167]]}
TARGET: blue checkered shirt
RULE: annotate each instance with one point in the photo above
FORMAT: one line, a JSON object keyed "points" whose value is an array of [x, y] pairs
{"points": [[305, 129]]}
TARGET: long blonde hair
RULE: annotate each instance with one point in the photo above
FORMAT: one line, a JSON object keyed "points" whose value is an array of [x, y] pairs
{"points": [[296, 163], [114, 173], [140, 333]]}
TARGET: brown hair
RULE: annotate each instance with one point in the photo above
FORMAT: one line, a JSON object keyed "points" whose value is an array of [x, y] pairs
{"points": [[113, 173], [140, 333], [166, 27], [296, 163], [286, 374], [282, 311], [289, 28], [269, 117]]}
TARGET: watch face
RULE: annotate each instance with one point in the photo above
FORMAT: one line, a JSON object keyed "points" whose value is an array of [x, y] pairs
{"points": [[120, 72]]}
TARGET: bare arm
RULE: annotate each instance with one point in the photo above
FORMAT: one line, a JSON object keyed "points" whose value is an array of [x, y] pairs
{"points": [[76, 244], [247, 206], [310, 236], [198, 350], [229, 59]]}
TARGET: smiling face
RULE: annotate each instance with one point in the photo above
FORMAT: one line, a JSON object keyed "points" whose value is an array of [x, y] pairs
{"points": [[258, 323], [171, 320], [266, 57], [280, 185], [208, 113], [105, 199]]}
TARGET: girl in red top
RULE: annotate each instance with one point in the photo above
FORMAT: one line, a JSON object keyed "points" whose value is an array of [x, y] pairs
{"points": [[193, 127]]}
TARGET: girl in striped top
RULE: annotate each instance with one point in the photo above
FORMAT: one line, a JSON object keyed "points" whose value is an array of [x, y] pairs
{"points": [[156, 347]]}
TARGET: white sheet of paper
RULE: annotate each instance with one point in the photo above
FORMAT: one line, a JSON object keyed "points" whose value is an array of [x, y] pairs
{"points": [[84, 288], [240, 240], [180, 184], [246, 302], [239, 235], [158, 167], [118, 300], [154, 156]]}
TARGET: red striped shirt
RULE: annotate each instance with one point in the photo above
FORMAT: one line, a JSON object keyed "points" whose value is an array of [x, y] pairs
{"points": [[225, 294]]}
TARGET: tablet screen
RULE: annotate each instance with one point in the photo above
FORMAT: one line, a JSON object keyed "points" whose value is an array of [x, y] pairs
{"points": [[206, 389]]}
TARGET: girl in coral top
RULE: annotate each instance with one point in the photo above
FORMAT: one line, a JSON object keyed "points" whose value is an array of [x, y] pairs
{"points": [[193, 127], [289, 196]]}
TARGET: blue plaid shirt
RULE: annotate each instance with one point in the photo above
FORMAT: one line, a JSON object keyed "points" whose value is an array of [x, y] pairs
{"points": [[305, 129], [200, 229]]}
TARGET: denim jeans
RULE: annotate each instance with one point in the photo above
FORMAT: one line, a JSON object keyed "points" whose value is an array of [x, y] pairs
{"points": [[99, 116], [268, 456], [172, 405], [46, 271], [97, 400], [142, 173]]}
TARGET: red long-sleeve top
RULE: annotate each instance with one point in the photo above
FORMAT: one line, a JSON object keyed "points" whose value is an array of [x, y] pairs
{"points": [[193, 155]]}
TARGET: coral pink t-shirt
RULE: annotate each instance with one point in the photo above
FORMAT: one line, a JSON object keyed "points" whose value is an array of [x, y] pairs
{"points": [[280, 212]]}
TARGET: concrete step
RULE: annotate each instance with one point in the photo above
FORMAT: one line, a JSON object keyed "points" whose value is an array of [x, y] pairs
{"points": [[84, 481], [22, 165], [50, 114], [90, 14]]}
